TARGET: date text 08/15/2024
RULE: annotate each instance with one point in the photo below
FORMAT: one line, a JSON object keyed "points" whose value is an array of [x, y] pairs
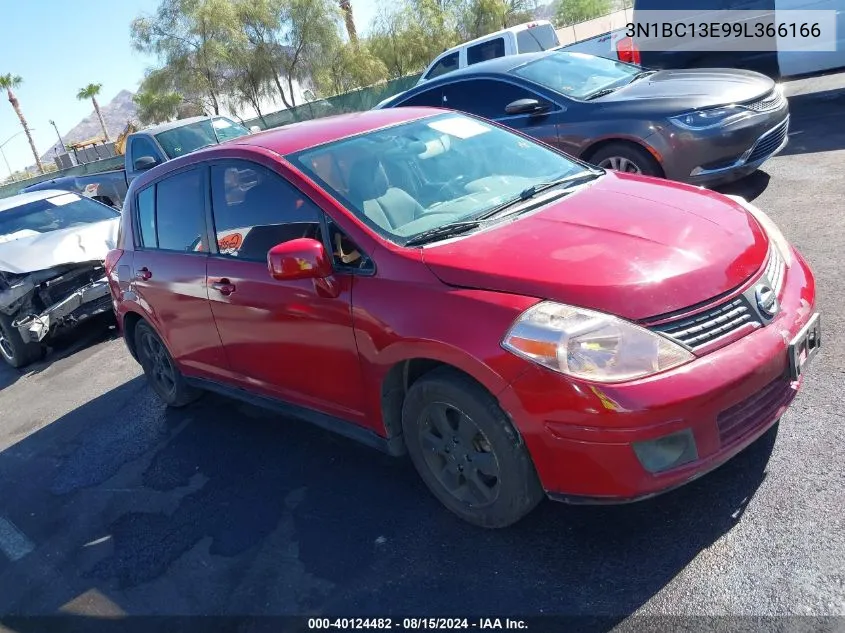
{"points": [[429, 624]]}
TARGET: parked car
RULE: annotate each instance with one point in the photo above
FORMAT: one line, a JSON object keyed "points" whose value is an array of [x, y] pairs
{"points": [[145, 149], [521, 322], [779, 61], [530, 37], [704, 127], [52, 248]]}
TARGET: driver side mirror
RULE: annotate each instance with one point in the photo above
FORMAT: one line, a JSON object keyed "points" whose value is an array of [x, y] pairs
{"points": [[302, 258], [145, 162], [527, 106]]}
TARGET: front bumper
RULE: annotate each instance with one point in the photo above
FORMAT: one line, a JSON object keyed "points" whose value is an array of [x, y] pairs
{"points": [[85, 302], [580, 434]]}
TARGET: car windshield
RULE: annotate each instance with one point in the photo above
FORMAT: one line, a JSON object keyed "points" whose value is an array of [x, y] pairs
{"points": [[189, 138], [62, 211], [418, 176], [577, 75]]}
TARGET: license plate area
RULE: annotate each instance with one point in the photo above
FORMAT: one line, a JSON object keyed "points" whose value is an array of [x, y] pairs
{"points": [[804, 346]]}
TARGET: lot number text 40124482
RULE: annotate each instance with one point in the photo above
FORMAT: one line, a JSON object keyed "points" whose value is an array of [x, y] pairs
{"points": [[413, 624]]}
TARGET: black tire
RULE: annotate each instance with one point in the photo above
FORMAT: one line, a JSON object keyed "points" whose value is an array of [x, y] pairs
{"points": [[634, 154], [13, 349], [161, 371], [483, 499]]}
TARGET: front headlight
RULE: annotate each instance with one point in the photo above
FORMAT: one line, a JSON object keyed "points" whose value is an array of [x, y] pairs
{"points": [[591, 345], [707, 119], [771, 229]]}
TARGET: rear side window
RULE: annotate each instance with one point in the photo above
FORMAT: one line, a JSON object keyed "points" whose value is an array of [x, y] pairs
{"points": [[255, 209], [147, 217], [443, 66], [536, 39], [180, 207], [483, 97], [490, 49]]}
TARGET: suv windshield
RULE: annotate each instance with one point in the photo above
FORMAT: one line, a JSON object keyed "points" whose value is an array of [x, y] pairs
{"points": [[577, 75], [189, 138], [418, 176], [62, 211]]}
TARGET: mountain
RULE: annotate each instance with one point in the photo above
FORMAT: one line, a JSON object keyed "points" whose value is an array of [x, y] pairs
{"points": [[115, 113]]}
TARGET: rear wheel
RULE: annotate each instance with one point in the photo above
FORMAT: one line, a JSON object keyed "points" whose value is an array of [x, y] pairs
{"points": [[14, 350], [627, 158], [163, 375], [467, 452]]}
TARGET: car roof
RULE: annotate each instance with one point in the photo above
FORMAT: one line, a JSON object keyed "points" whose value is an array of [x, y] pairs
{"points": [[517, 28], [25, 198], [296, 137]]}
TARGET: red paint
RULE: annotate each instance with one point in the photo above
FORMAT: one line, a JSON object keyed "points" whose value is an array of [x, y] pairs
{"points": [[631, 246]]}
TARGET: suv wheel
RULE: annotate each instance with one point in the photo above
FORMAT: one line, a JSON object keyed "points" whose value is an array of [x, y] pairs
{"points": [[13, 349], [467, 452], [163, 375]]}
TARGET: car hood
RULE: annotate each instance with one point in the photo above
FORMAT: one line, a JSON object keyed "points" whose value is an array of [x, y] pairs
{"points": [[627, 245], [696, 88], [28, 251]]}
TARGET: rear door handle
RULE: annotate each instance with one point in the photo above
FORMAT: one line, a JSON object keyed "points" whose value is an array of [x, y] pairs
{"points": [[144, 274], [223, 286]]}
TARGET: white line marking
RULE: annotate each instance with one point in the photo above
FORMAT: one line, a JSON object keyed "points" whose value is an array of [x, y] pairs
{"points": [[13, 542]]}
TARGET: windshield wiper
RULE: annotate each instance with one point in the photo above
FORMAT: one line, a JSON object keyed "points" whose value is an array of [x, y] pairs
{"points": [[533, 190], [640, 75], [600, 93], [440, 232]]}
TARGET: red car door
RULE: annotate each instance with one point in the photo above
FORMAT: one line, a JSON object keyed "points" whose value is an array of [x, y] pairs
{"points": [[169, 270], [288, 339]]}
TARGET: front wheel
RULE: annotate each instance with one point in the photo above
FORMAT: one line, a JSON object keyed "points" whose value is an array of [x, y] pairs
{"points": [[14, 350], [161, 371], [627, 158], [467, 452]]}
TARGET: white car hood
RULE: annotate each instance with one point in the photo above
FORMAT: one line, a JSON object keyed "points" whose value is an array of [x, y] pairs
{"points": [[27, 251]]}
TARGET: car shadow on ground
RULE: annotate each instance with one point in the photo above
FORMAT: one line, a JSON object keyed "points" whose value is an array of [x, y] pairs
{"points": [[816, 122], [96, 330], [222, 508]]}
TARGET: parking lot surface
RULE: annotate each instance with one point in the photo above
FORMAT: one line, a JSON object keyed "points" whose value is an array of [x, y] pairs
{"points": [[110, 504]]}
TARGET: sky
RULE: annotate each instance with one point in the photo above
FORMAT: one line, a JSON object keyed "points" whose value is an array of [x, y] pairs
{"points": [[58, 47]]}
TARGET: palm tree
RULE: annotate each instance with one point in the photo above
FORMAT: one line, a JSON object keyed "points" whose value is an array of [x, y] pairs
{"points": [[7, 83], [90, 92], [346, 7]]}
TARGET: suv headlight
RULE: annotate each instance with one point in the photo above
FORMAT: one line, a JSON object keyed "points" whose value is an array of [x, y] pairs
{"points": [[771, 229], [707, 119], [591, 345]]}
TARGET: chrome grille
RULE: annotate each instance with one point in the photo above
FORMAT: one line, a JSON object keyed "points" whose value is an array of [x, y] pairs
{"points": [[775, 270], [755, 411], [772, 101], [769, 142], [707, 326]]}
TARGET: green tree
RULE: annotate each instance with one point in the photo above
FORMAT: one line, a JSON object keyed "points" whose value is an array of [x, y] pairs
{"points": [[9, 83], [90, 92], [349, 20], [569, 12], [157, 107], [477, 18], [348, 67]]}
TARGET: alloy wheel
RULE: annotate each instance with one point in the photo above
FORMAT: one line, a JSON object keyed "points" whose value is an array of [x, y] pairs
{"points": [[459, 455], [159, 365], [620, 163]]}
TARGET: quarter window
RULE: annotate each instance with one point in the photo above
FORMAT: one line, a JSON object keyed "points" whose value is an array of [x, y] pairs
{"points": [[147, 217], [256, 209]]}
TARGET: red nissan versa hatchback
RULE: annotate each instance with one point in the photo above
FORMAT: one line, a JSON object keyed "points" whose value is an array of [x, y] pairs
{"points": [[518, 321]]}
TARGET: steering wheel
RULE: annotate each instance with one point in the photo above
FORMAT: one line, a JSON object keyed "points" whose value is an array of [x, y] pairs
{"points": [[454, 183]]}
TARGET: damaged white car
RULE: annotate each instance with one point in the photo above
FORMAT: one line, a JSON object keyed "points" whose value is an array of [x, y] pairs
{"points": [[52, 250]]}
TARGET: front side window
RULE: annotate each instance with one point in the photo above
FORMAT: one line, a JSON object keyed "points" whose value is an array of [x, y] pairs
{"points": [[445, 65], [429, 98], [143, 147], [417, 176], [577, 75], [490, 49], [483, 97], [180, 207], [62, 211], [255, 209]]}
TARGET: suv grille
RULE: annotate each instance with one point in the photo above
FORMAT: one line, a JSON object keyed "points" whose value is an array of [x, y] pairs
{"points": [[772, 101], [754, 411]]}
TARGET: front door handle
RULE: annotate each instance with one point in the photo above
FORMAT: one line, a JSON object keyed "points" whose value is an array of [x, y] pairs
{"points": [[143, 274], [223, 286]]}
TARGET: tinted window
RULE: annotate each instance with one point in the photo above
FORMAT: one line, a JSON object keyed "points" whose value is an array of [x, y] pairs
{"points": [[180, 206], [62, 211], [486, 50], [483, 97], [445, 65], [142, 146], [147, 217], [255, 209], [536, 39], [432, 98]]}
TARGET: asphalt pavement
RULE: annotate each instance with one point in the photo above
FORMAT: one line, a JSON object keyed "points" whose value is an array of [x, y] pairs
{"points": [[110, 504]]}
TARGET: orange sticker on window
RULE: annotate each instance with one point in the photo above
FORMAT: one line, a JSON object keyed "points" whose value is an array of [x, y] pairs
{"points": [[231, 242]]}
